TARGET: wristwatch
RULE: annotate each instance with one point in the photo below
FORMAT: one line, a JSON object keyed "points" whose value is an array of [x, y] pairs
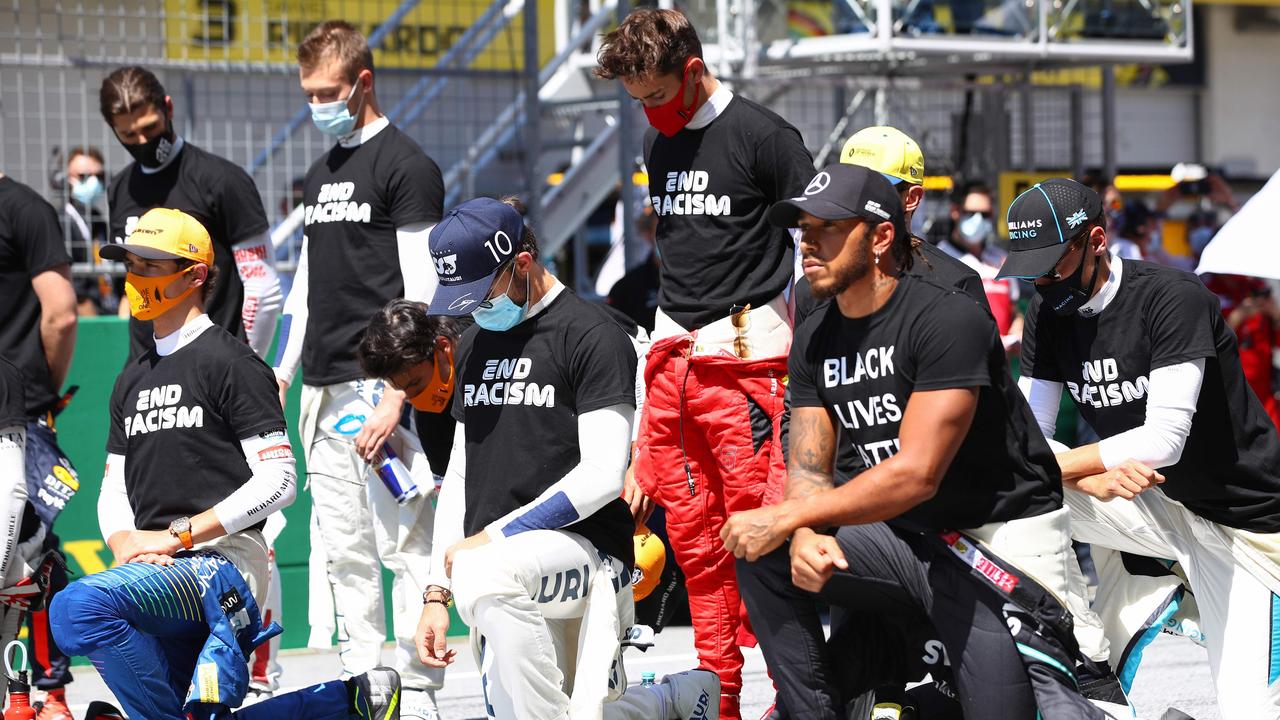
{"points": [[445, 599], [181, 529]]}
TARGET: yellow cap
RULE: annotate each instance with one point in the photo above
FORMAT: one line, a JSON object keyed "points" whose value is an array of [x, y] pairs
{"points": [[651, 559], [164, 234], [886, 150]]}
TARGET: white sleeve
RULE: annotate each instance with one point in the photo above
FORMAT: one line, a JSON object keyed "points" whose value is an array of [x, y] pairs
{"points": [[450, 507], [13, 489], [293, 324], [1171, 405], [1044, 397], [419, 273], [114, 511], [604, 442], [272, 486], [255, 262]]}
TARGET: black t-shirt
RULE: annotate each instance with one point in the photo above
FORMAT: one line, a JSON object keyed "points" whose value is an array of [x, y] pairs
{"points": [[355, 199], [521, 393], [179, 419], [636, 293], [931, 264], [711, 189], [929, 337], [1229, 471], [30, 243], [12, 396], [218, 193]]}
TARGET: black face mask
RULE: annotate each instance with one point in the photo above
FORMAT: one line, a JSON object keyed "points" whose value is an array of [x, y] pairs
{"points": [[153, 153], [1067, 295]]}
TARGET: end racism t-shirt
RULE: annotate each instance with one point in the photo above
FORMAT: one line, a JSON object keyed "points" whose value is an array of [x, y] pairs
{"points": [[1229, 471], [179, 419], [215, 191], [710, 189], [863, 371], [521, 392], [30, 243], [355, 199]]}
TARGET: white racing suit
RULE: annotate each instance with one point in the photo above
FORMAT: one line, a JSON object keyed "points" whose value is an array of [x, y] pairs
{"points": [[359, 524]]}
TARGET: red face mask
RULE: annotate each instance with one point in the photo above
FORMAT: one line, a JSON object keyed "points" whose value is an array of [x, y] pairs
{"points": [[670, 117], [434, 398]]}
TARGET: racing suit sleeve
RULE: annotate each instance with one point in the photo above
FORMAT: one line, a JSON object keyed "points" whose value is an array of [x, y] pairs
{"points": [[450, 507], [1171, 405], [293, 323], [114, 511], [604, 437], [255, 263], [1043, 396], [13, 489], [416, 268], [272, 487]]}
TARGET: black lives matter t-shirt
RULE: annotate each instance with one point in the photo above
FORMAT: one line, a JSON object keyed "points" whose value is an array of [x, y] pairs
{"points": [[30, 243], [710, 189], [179, 419], [1229, 471], [355, 199], [12, 396], [218, 193], [521, 394], [928, 337]]}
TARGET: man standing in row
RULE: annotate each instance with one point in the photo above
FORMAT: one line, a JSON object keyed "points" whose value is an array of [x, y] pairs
{"points": [[170, 172], [370, 202], [708, 440]]}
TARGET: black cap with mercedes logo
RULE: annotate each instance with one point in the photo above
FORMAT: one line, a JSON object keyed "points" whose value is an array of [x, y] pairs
{"points": [[1042, 223], [840, 192]]}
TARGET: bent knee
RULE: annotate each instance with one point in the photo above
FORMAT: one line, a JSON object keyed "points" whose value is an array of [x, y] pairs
{"points": [[82, 617]]}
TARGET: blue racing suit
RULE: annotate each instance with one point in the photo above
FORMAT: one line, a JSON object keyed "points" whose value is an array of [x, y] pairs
{"points": [[172, 641]]}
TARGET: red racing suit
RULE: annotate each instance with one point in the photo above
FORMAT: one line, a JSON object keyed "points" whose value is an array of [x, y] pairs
{"points": [[709, 446]]}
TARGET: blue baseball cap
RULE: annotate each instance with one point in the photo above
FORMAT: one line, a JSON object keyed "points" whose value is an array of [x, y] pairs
{"points": [[469, 246]]}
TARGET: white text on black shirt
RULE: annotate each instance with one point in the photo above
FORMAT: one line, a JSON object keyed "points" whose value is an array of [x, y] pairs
{"points": [[506, 384]]}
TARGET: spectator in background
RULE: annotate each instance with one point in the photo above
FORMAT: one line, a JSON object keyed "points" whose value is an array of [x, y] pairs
{"points": [[84, 223], [1252, 313], [972, 241], [1112, 201], [636, 294], [1139, 228]]}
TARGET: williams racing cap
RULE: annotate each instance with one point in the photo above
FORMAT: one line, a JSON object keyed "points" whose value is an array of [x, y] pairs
{"points": [[886, 150], [469, 246], [164, 234], [1043, 221], [840, 192]]}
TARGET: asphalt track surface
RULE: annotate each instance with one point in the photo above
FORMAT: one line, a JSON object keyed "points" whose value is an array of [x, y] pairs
{"points": [[1175, 673]]}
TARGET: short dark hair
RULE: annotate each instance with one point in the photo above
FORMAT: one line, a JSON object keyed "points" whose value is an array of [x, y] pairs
{"points": [[128, 89], [400, 335], [339, 40], [210, 280], [649, 42], [528, 241], [87, 151], [970, 187]]}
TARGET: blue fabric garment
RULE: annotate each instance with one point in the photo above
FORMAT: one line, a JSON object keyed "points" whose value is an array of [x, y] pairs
{"points": [[175, 640]]}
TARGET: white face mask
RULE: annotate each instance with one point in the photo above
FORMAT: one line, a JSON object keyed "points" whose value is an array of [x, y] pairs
{"points": [[87, 191], [976, 228]]}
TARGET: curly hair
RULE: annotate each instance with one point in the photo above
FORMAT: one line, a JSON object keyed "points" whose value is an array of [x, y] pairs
{"points": [[648, 43]]}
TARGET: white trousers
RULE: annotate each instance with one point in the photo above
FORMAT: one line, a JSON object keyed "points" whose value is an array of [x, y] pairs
{"points": [[1239, 613], [361, 526], [1041, 547], [547, 612]]}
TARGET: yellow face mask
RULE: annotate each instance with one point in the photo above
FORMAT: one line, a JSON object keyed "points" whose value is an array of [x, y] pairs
{"points": [[146, 294]]}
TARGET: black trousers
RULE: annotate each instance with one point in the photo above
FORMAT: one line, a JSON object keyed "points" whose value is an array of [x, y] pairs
{"points": [[903, 610]]}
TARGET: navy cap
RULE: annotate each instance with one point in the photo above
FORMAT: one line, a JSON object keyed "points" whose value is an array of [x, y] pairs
{"points": [[842, 191], [469, 246], [1043, 221]]}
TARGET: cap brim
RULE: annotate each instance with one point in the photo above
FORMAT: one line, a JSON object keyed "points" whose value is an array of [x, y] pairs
{"points": [[117, 251], [1032, 264], [461, 299], [786, 213]]}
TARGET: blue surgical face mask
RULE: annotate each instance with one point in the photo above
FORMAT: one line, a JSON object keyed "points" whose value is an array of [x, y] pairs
{"points": [[976, 228], [87, 191], [334, 118], [501, 314]]}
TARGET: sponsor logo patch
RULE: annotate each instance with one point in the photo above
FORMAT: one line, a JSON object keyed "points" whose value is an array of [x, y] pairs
{"points": [[276, 452]]}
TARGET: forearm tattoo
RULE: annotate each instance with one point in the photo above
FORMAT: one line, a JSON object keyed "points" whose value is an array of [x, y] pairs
{"points": [[812, 449]]}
